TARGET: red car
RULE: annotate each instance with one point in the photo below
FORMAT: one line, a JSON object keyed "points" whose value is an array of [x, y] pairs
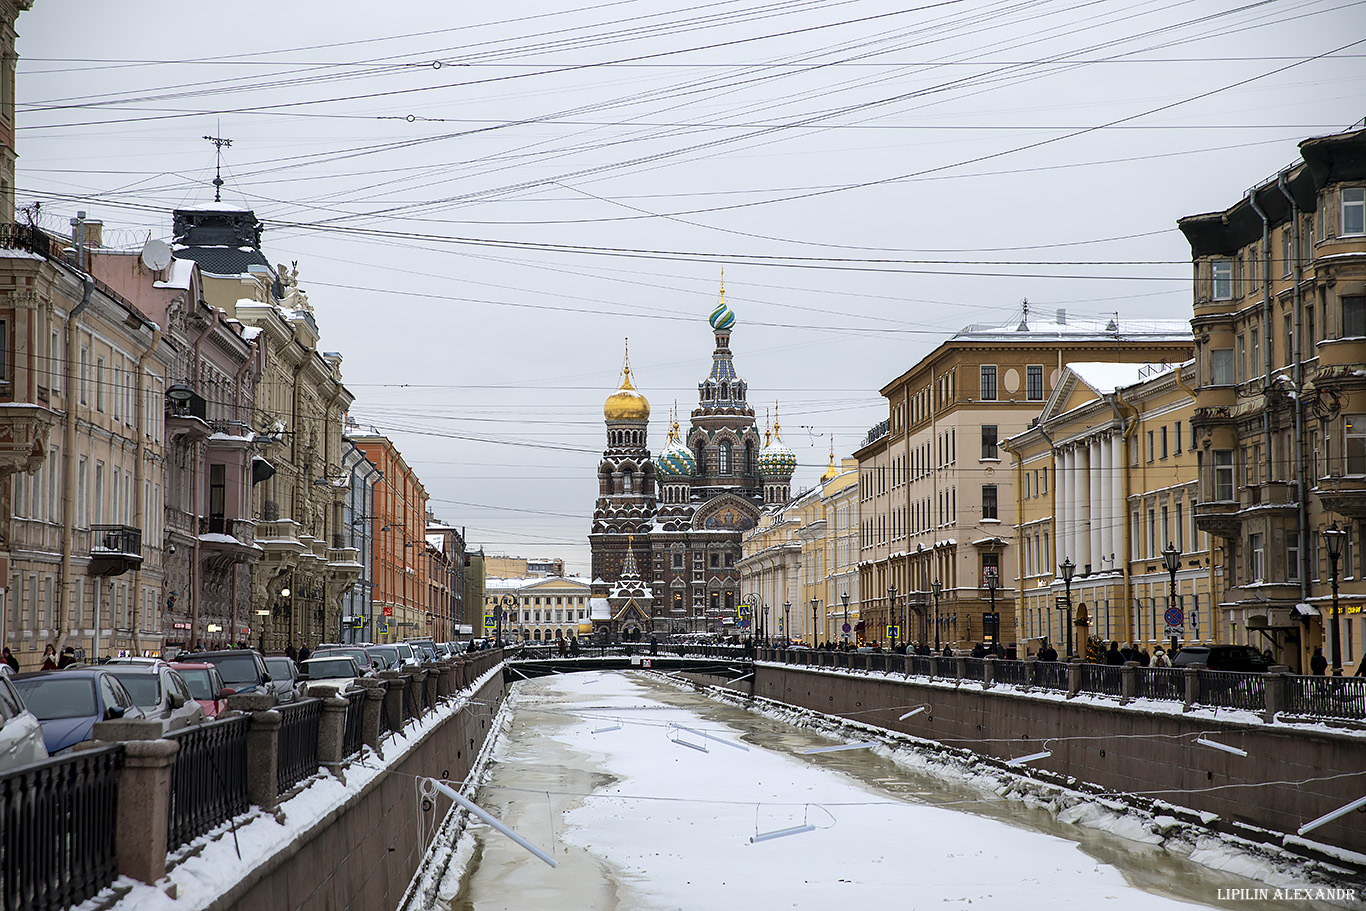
{"points": [[205, 685]]}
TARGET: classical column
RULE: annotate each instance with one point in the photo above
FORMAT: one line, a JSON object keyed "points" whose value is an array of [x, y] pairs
{"points": [[1098, 476], [1117, 505], [1062, 504]]}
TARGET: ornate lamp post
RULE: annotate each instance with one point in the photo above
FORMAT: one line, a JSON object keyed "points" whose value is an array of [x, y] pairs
{"points": [[787, 622], [1332, 539], [1172, 558], [1068, 568], [891, 612], [767, 639], [815, 603], [992, 583], [845, 598], [938, 588]]}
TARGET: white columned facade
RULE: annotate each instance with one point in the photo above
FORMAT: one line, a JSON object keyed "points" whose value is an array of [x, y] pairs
{"points": [[1117, 504], [1083, 498], [1065, 487]]}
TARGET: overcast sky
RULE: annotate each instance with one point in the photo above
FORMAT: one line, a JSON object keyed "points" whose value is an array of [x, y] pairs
{"points": [[484, 202]]}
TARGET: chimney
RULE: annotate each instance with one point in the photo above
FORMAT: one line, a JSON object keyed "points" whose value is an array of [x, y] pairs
{"points": [[91, 233], [1062, 316]]}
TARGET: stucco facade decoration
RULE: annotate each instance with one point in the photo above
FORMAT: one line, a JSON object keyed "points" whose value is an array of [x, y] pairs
{"points": [[1280, 417], [298, 416], [681, 517], [209, 542], [936, 499], [1129, 424]]}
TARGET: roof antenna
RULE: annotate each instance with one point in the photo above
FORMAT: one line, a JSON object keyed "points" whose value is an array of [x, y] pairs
{"points": [[1024, 320], [219, 145]]}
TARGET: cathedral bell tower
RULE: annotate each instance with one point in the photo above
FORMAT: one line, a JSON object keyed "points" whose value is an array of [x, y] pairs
{"points": [[626, 481]]}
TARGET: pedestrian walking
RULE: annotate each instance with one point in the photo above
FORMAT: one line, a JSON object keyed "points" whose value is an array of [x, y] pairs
{"points": [[291, 653], [1160, 658], [1318, 664], [1112, 656], [304, 652], [68, 658], [12, 661]]}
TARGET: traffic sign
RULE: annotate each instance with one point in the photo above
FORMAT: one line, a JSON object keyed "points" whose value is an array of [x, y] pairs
{"points": [[490, 622], [384, 627], [846, 629], [1174, 616], [1174, 632], [893, 632], [388, 612]]}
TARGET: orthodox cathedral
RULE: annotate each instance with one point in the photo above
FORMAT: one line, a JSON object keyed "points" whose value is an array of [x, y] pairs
{"points": [[666, 531]]}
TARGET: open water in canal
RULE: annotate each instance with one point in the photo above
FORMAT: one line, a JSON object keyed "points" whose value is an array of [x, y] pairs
{"points": [[648, 796]]}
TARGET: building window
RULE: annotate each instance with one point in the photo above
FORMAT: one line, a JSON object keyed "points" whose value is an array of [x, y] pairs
{"points": [[1034, 382], [991, 569], [1150, 446], [715, 560], [217, 490], [1162, 440], [988, 389], [1221, 366], [1254, 366], [723, 458], [1353, 210], [1177, 431], [678, 560], [1354, 442], [1255, 555], [1292, 558], [989, 441], [1287, 251], [1353, 317], [1221, 279], [989, 501], [99, 384], [1043, 480], [1240, 363], [1223, 474]]}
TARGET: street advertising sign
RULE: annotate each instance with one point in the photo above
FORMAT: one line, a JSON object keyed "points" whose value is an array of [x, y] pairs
{"points": [[388, 612]]}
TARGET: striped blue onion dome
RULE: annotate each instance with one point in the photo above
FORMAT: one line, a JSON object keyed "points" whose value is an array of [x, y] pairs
{"points": [[776, 460], [722, 317], [675, 461]]}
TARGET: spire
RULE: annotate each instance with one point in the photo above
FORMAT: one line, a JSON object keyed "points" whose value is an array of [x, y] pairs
{"points": [[219, 145], [767, 436], [722, 319], [832, 470], [628, 569], [776, 434], [673, 431]]}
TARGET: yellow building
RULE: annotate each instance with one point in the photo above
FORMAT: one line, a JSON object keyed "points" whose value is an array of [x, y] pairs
{"points": [[936, 500], [799, 562], [1106, 481], [1280, 419]]}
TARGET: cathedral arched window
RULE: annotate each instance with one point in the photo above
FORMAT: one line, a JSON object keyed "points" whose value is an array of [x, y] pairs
{"points": [[725, 390], [723, 458], [701, 458], [628, 482], [749, 457]]}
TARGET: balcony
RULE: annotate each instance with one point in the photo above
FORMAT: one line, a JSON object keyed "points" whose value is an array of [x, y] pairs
{"points": [[114, 549], [225, 542], [1343, 495], [1269, 495], [1219, 518], [186, 420], [23, 436]]}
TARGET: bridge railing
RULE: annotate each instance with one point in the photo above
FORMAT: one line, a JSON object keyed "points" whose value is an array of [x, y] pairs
{"points": [[297, 746], [1193, 685], [57, 821]]}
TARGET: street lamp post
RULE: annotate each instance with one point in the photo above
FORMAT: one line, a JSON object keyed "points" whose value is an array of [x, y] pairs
{"points": [[815, 604], [937, 587], [1172, 558], [1333, 537], [768, 641], [787, 622], [891, 612], [1068, 568], [845, 598]]}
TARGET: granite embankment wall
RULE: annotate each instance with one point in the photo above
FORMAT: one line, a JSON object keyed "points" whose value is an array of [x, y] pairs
{"points": [[1285, 780], [361, 856]]}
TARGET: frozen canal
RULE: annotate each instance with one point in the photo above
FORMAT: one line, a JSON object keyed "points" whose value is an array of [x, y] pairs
{"points": [[602, 772]]}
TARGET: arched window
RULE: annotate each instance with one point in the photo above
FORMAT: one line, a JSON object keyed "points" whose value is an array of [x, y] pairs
{"points": [[749, 457], [701, 458], [723, 458], [628, 482]]}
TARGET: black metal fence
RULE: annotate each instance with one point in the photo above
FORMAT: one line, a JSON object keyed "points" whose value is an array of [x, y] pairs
{"points": [[1102, 678], [974, 669], [1050, 675], [1333, 697], [208, 778], [1165, 683], [57, 830], [297, 756], [353, 734], [1232, 690], [1015, 673]]}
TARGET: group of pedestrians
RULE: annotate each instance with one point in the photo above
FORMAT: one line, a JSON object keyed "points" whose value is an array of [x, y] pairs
{"points": [[1116, 655], [300, 654]]}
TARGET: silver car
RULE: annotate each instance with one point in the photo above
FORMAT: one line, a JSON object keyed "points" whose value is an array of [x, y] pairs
{"points": [[21, 734], [160, 692], [340, 671], [284, 673]]}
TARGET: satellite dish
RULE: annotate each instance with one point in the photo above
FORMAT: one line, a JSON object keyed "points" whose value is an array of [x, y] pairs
{"points": [[156, 255]]}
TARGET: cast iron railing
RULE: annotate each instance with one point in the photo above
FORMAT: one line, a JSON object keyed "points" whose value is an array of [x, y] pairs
{"points": [[1050, 675], [117, 539], [974, 669], [1334, 697], [1233, 690], [1105, 679], [208, 778], [352, 736], [1165, 683], [57, 825], [297, 757], [1014, 673], [945, 667]]}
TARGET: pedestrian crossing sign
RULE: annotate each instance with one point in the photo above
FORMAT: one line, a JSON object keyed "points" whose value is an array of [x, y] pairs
{"points": [[384, 626], [893, 632]]}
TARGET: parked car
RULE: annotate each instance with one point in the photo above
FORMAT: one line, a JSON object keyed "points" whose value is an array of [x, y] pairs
{"points": [[21, 733], [360, 653], [1223, 658], [408, 657], [205, 685], [424, 648], [243, 670], [69, 702], [284, 674], [340, 671], [135, 660], [387, 655], [159, 692]]}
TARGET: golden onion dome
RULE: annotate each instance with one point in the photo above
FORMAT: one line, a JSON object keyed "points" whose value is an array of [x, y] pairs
{"points": [[626, 404], [833, 471]]}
